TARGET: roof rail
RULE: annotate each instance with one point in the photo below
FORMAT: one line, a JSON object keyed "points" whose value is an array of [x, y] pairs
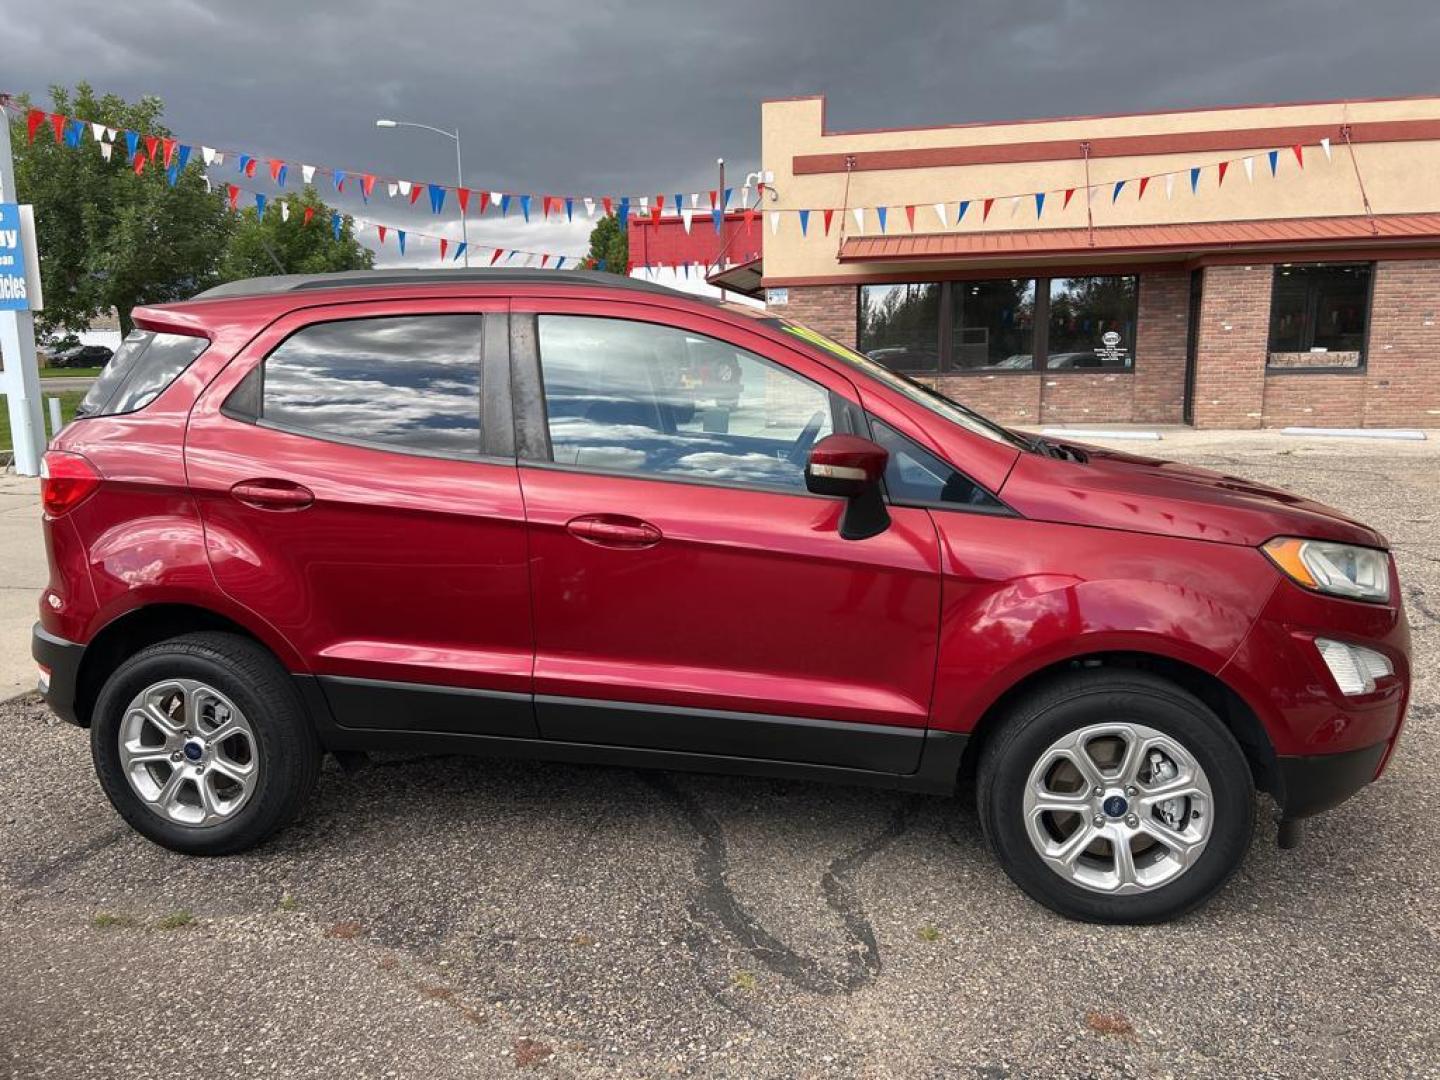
{"points": [[361, 279]]}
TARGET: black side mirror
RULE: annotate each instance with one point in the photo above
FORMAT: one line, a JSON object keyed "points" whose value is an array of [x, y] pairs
{"points": [[851, 467]]}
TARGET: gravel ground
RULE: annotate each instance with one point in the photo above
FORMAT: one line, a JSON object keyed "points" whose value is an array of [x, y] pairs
{"points": [[449, 917]]}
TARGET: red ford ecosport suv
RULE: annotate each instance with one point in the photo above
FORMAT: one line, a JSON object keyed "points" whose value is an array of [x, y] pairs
{"points": [[496, 512]]}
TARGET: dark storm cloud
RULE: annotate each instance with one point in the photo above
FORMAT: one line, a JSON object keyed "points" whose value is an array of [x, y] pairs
{"points": [[614, 96]]}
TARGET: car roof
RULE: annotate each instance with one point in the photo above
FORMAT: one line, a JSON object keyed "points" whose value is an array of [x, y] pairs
{"points": [[360, 279]]}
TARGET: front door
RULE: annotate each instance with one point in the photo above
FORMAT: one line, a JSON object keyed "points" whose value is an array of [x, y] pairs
{"points": [[689, 593], [359, 493]]}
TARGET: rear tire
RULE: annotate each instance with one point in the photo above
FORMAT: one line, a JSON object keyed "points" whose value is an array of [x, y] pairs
{"points": [[202, 744], [1141, 866]]}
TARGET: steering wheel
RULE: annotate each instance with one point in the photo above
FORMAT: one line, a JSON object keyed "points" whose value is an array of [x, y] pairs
{"points": [[800, 452]]}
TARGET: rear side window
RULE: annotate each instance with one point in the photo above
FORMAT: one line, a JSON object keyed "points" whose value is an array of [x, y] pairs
{"points": [[410, 382], [139, 372]]}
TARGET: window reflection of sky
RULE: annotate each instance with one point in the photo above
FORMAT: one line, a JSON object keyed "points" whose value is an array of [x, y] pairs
{"points": [[413, 381]]}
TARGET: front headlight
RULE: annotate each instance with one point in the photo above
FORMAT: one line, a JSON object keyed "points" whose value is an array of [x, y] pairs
{"points": [[1356, 573]]}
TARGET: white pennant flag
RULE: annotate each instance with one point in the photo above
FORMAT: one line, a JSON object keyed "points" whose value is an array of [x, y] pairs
{"points": [[495, 198], [686, 216], [403, 186], [1249, 164], [1169, 185], [391, 188], [285, 210], [207, 153], [105, 150], [1325, 145], [1090, 193], [219, 158], [859, 213], [111, 134], [644, 204], [307, 173], [940, 213], [694, 200], [203, 176], [97, 132], [589, 208], [1014, 204], [774, 222]]}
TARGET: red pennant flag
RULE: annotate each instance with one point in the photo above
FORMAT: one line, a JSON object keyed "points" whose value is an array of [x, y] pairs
{"points": [[660, 202], [140, 160], [275, 166], [33, 119], [910, 216], [231, 192], [1223, 166], [496, 257], [1299, 154], [606, 203], [381, 230], [415, 190], [484, 200], [367, 184], [543, 260], [58, 122], [545, 207], [152, 143], [655, 215], [1144, 183], [168, 151], [309, 214], [444, 247], [1069, 193], [829, 215], [714, 196], [250, 166], [986, 215], [463, 194]]}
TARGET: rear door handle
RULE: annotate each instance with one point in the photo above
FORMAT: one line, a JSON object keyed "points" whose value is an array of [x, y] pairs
{"points": [[271, 494], [614, 531]]}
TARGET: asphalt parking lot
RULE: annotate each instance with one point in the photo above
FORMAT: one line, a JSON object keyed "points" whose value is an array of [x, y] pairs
{"points": [[452, 917]]}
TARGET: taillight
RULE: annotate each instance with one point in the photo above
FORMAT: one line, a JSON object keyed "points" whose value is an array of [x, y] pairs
{"points": [[66, 480]]}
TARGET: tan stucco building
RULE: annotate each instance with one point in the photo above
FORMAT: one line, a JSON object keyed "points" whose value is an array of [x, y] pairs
{"points": [[1107, 281]]}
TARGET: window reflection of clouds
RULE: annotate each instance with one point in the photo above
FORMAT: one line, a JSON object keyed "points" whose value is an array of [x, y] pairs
{"points": [[413, 381]]}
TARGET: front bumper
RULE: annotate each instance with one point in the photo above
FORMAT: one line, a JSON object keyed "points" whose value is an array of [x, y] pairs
{"points": [[61, 659], [1315, 783]]}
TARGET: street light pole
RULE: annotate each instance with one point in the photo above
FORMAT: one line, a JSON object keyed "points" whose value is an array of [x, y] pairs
{"points": [[459, 172]]}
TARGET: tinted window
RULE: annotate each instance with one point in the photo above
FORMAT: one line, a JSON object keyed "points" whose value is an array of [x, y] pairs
{"points": [[636, 397], [1092, 323], [900, 325], [137, 374], [412, 382], [914, 475], [994, 324], [1318, 315]]}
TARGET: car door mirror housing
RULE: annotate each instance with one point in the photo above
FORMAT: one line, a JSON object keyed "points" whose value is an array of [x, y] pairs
{"points": [[851, 467]]}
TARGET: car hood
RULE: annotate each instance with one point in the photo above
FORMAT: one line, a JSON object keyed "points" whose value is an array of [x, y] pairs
{"points": [[1113, 490]]}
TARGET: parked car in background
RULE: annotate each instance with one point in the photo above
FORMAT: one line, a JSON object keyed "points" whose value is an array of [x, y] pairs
{"points": [[481, 512], [82, 356]]}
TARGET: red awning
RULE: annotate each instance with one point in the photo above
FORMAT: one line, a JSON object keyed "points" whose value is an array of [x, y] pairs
{"points": [[1156, 241]]}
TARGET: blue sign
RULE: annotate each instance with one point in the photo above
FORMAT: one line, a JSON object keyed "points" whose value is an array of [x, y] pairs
{"points": [[13, 293]]}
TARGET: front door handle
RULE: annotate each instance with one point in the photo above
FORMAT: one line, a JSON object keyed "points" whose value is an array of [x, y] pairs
{"points": [[271, 494], [614, 531]]}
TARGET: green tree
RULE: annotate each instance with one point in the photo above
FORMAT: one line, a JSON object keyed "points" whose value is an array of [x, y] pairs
{"points": [[610, 245], [257, 243], [107, 237]]}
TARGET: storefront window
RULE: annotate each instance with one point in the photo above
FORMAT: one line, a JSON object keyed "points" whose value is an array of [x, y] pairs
{"points": [[900, 326], [1318, 316], [1092, 323], [994, 325]]}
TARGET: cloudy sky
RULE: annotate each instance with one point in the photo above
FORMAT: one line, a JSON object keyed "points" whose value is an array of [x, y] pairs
{"points": [[629, 97]]}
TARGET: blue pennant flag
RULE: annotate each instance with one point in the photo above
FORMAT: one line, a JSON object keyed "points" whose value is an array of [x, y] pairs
{"points": [[459, 250], [280, 175], [259, 205], [525, 206], [437, 197], [1116, 193], [1194, 179], [172, 175], [335, 225], [339, 179], [560, 263], [73, 133], [718, 216], [677, 205], [804, 222], [624, 212], [182, 158], [504, 204], [1039, 203], [511, 256], [569, 208], [132, 142], [599, 264], [244, 161], [880, 213], [400, 236], [725, 202], [960, 213], [1274, 161]]}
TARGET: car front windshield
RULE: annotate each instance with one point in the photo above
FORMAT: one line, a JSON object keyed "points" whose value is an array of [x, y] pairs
{"points": [[917, 392]]}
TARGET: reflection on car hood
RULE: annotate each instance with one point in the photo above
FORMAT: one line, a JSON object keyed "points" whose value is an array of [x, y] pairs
{"points": [[1115, 490]]}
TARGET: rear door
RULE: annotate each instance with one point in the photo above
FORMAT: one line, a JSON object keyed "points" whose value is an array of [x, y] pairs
{"points": [[355, 473], [689, 593]]}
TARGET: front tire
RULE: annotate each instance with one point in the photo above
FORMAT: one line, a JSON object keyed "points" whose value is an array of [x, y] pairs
{"points": [[1114, 796], [202, 744]]}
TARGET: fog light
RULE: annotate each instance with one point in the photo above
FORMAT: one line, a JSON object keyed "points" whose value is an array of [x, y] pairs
{"points": [[1355, 669]]}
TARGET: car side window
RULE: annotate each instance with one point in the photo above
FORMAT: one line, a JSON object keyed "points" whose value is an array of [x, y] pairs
{"points": [[637, 397], [914, 475], [411, 382]]}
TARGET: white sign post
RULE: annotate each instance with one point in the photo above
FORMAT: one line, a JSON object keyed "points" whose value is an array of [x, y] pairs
{"points": [[20, 298]]}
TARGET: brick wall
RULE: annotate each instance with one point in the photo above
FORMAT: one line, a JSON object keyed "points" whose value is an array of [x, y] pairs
{"points": [[1314, 400], [1402, 378], [1099, 398], [831, 309], [1159, 390], [1009, 399], [1234, 338]]}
